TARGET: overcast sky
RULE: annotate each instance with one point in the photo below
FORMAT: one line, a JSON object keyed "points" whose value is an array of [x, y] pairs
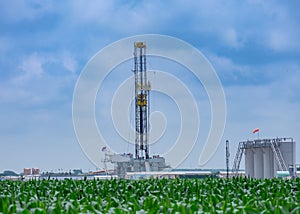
{"points": [[44, 45]]}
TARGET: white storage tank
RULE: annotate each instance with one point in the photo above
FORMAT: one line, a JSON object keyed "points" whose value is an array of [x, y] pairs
{"points": [[258, 163], [268, 163], [249, 162], [288, 151], [262, 157]]}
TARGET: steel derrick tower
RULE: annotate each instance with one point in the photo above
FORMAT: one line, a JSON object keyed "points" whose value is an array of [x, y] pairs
{"points": [[142, 108]]}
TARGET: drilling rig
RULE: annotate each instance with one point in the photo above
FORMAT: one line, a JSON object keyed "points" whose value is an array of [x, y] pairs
{"points": [[142, 91], [141, 161]]}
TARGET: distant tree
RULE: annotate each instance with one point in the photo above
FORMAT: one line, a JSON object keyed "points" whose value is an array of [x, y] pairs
{"points": [[9, 173], [77, 171]]}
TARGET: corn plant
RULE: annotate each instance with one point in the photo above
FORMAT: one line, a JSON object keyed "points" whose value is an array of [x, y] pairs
{"points": [[210, 195]]}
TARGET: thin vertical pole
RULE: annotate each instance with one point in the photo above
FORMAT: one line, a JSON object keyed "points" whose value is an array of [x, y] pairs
{"points": [[227, 158]]}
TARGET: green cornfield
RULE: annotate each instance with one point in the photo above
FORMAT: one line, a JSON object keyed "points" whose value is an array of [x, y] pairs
{"points": [[209, 195]]}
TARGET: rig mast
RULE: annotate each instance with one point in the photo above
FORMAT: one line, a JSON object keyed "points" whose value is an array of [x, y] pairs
{"points": [[142, 90], [141, 161]]}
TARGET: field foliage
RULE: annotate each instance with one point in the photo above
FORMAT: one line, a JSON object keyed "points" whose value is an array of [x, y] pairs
{"points": [[210, 195]]}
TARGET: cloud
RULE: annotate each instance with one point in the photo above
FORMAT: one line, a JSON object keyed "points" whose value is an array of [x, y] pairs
{"points": [[230, 72], [40, 79], [92, 11], [70, 64], [233, 72], [17, 11], [36, 65], [253, 45], [118, 17], [282, 40], [231, 37], [270, 24], [32, 66], [278, 28]]}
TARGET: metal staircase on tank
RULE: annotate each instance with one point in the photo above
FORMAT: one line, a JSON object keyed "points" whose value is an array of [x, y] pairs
{"points": [[278, 156], [238, 158]]}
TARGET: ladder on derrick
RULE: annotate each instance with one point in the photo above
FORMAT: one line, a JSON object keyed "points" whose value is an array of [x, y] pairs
{"points": [[278, 156], [238, 158]]}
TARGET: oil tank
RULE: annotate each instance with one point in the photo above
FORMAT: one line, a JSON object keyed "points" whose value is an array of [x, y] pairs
{"points": [[249, 162], [258, 163], [268, 162], [287, 149], [262, 157]]}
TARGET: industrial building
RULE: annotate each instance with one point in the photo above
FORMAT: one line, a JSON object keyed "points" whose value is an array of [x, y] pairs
{"points": [[31, 171], [266, 158]]}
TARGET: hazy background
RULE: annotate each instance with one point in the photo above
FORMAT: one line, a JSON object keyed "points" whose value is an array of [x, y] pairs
{"points": [[253, 45]]}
